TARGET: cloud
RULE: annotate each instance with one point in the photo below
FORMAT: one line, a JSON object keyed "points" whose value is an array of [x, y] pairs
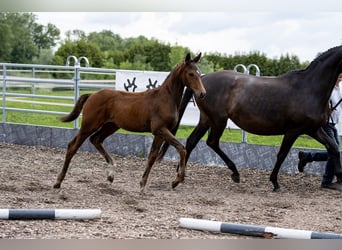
{"points": [[274, 33]]}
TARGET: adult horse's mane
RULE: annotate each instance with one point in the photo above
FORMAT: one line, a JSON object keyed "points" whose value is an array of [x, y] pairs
{"points": [[319, 58]]}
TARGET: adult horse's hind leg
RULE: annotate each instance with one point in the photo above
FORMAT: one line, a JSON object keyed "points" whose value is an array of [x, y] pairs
{"points": [[213, 141], [331, 146], [97, 140], [73, 146], [285, 147], [156, 144]]}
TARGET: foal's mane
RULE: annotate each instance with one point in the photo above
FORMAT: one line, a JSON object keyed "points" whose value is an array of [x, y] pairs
{"points": [[178, 67]]}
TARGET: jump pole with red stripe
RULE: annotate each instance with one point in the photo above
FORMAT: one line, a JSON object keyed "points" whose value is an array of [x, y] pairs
{"points": [[256, 231]]}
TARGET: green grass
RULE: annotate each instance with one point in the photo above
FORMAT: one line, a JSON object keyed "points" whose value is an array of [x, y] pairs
{"points": [[235, 135], [229, 135]]}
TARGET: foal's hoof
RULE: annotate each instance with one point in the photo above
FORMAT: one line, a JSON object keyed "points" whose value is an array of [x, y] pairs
{"points": [[277, 189], [236, 178], [142, 190], [175, 184], [57, 185], [177, 181], [142, 185]]}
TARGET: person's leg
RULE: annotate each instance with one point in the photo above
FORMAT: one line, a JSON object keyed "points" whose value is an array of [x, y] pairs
{"points": [[306, 157], [329, 172]]}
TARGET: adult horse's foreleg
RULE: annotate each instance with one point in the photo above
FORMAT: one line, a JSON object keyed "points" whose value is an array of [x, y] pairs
{"points": [[194, 138], [97, 140], [285, 147], [213, 141], [73, 146], [156, 144]]}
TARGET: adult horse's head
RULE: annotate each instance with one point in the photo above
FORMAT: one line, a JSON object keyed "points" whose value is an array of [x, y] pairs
{"points": [[191, 75]]}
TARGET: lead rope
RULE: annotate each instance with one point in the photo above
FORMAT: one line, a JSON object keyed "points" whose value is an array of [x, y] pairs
{"points": [[338, 103]]}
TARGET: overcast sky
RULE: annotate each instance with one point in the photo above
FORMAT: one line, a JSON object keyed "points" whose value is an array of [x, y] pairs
{"points": [[275, 33]]}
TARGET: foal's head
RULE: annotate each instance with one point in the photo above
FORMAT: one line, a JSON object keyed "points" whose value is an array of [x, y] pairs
{"points": [[191, 75]]}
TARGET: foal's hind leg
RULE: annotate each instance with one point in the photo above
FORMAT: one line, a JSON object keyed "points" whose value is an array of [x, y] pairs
{"points": [[73, 146], [156, 144], [213, 141], [97, 140]]}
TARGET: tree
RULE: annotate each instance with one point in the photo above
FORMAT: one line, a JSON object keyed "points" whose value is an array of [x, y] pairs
{"points": [[46, 56], [106, 40], [78, 49], [45, 37], [22, 38], [109, 50], [206, 66], [157, 55], [5, 40], [20, 34], [177, 54], [75, 35]]}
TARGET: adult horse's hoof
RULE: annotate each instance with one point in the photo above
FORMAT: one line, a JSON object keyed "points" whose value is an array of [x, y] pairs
{"points": [[236, 178], [276, 186], [57, 185], [110, 178]]}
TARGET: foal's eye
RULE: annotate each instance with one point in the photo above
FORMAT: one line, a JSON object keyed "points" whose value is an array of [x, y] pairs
{"points": [[191, 74]]}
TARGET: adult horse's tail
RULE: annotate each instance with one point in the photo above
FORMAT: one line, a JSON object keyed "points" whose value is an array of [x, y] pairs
{"points": [[185, 100], [77, 109]]}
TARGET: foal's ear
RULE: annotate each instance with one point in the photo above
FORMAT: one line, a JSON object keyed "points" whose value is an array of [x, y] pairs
{"points": [[197, 58], [187, 58]]}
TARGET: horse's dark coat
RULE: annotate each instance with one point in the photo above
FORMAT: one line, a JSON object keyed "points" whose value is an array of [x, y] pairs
{"points": [[292, 104]]}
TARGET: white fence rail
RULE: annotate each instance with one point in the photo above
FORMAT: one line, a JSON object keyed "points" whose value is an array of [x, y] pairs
{"points": [[20, 83]]}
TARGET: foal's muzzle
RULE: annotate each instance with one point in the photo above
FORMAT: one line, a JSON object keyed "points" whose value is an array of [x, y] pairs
{"points": [[201, 95]]}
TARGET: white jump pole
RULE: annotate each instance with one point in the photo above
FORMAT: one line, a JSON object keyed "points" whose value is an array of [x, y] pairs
{"points": [[52, 214], [251, 230]]}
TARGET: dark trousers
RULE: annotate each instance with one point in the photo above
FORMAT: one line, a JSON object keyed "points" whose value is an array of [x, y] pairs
{"points": [[329, 172]]}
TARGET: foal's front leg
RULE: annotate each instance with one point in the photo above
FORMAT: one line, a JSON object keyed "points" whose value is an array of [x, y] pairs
{"points": [[172, 140], [156, 144]]}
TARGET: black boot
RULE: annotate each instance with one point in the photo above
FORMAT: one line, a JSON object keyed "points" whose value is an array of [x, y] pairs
{"points": [[302, 161]]}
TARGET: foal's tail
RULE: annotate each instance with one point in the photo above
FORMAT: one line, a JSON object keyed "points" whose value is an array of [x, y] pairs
{"points": [[77, 109], [185, 100]]}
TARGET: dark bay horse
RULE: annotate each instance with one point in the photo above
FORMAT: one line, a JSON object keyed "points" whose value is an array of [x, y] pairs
{"points": [[292, 104], [156, 111]]}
